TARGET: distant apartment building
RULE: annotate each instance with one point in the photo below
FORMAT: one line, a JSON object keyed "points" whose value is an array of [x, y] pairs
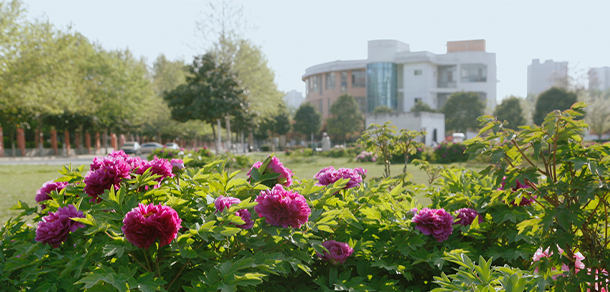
{"points": [[542, 76], [599, 78], [294, 99], [395, 77]]}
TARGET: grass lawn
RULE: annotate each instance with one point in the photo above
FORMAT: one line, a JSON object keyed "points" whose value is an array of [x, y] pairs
{"points": [[20, 182]]}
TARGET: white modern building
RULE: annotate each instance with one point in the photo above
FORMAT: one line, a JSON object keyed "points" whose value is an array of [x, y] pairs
{"points": [[542, 76], [599, 78], [294, 99], [432, 123], [394, 76]]}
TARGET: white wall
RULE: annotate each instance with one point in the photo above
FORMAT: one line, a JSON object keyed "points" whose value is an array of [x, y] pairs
{"points": [[543, 76], [412, 121]]}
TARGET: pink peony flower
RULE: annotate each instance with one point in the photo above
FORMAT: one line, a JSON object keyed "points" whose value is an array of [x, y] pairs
{"points": [[43, 193], [275, 166], [435, 222], [361, 171], [466, 216], [177, 165], [108, 174], [145, 224], [225, 202], [55, 227], [525, 201], [578, 257], [337, 252], [329, 175], [157, 166], [282, 208]]}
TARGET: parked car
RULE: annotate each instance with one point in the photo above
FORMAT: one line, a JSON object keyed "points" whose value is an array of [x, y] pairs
{"points": [[150, 147], [131, 148], [172, 145]]}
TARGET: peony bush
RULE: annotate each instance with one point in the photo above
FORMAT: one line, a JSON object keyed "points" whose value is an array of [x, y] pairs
{"points": [[161, 225]]}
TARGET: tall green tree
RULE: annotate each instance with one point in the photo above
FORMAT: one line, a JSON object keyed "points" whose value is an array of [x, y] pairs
{"points": [[282, 121], [462, 110], [510, 110], [346, 119], [307, 120], [210, 93], [223, 27], [553, 99]]}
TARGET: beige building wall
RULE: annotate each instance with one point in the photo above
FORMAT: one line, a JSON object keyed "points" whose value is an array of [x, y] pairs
{"points": [[324, 101]]}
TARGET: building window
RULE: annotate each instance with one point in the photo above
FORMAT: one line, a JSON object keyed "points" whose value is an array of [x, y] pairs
{"points": [[446, 76], [321, 105], [381, 89], [330, 81], [343, 81], [441, 99], [474, 73], [434, 136], [315, 84], [417, 72], [358, 78], [417, 99]]}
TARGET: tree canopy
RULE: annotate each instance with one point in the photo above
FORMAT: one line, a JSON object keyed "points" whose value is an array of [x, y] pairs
{"points": [[510, 110], [211, 92], [346, 119], [462, 110], [550, 100], [307, 120]]}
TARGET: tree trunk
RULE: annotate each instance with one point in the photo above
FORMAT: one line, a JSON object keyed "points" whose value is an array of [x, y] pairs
{"points": [[228, 124], [106, 141], [216, 139]]}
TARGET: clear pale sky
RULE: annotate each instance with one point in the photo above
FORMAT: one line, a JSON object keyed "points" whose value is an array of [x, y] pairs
{"points": [[298, 34]]}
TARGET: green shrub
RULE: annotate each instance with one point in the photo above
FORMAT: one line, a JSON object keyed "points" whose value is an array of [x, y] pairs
{"points": [[449, 152], [265, 148]]}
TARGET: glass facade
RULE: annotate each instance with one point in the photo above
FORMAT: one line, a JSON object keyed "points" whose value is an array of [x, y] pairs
{"points": [[381, 89], [446, 76], [474, 73], [358, 79], [330, 81], [344, 81]]}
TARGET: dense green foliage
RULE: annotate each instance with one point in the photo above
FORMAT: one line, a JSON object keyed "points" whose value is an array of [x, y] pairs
{"points": [[307, 120], [510, 110], [462, 110], [550, 100], [421, 106], [346, 120]]}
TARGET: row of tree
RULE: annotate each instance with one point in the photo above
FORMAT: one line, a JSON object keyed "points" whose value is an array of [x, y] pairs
{"points": [[57, 78]]}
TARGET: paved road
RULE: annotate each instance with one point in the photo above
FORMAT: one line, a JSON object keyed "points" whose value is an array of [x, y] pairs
{"points": [[77, 160]]}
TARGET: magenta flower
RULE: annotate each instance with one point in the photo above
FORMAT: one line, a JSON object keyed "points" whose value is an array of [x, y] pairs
{"points": [[337, 252], [465, 216], [177, 165], [275, 166], [361, 171], [578, 257], [225, 202], [435, 222], [108, 174], [55, 227], [43, 193], [145, 224], [525, 201], [329, 175], [282, 208]]}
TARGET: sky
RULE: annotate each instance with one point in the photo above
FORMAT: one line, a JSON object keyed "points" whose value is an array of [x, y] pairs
{"points": [[295, 35]]}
